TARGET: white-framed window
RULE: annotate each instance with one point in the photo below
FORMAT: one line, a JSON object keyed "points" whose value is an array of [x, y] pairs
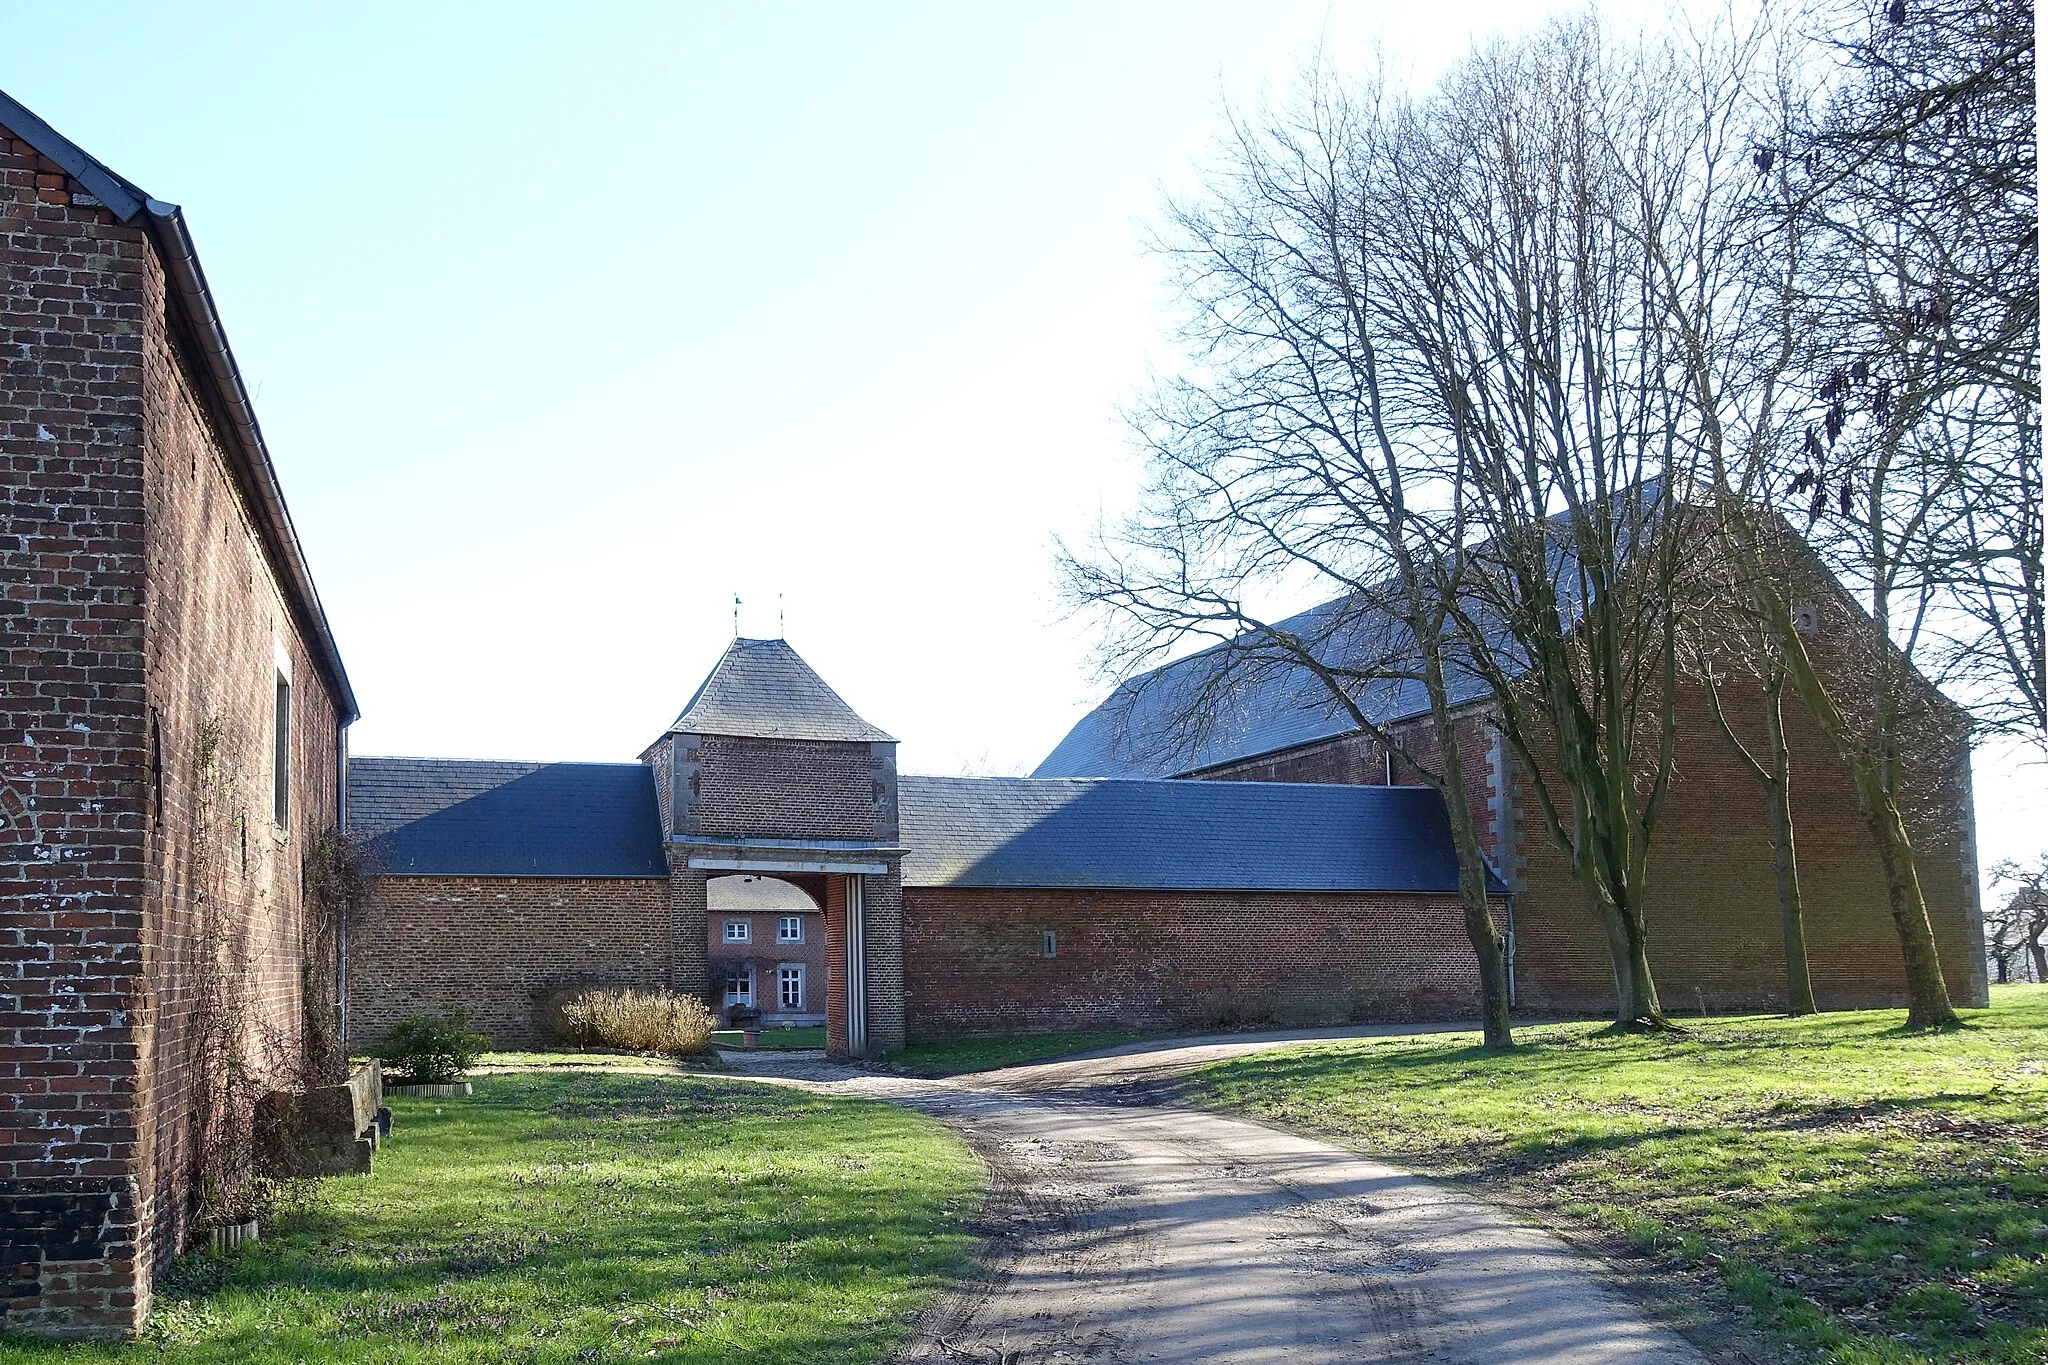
{"points": [[739, 931], [789, 985], [1049, 943], [739, 986], [789, 929]]}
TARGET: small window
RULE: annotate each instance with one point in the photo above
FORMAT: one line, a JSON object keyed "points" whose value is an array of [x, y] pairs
{"points": [[281, 753], [739, 931], [1051, 945], [790, 929], [739, 987], [789, 986]]}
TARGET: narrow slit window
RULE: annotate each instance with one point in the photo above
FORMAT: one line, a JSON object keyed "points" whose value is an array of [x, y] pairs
{"points": [[281, 754], [1051, 945]]}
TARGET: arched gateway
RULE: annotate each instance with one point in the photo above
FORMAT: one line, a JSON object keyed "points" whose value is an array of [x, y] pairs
{"points": [[950, 906]]}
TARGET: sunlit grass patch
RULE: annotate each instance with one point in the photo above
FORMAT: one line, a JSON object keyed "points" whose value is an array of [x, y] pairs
{"points": [[592, 1217]]}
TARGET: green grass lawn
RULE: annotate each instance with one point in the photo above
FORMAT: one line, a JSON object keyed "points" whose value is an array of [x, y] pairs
{"points": [[592, 1217], [981, 1054], [1852, 1193], [777, 1038]]}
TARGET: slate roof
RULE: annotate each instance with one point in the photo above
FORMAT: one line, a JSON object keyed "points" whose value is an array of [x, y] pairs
{"points": [[477, 818], [764, 689], [1252, 703], [1173, 835]]}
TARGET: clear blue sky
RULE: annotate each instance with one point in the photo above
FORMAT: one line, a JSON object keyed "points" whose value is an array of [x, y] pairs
{"points": [[567, 322]]}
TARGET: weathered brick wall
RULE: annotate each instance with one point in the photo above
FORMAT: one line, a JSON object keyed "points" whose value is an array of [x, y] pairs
{"points": [[224, 907], [72, 754], [1715, 941], [975, 964], [146, 884], [496, 945], [738, 788]]}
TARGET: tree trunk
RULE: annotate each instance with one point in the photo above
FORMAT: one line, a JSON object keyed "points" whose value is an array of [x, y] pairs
{"points": [[1637, 1009], [2039, 954], [1926, 989], [1785, 859], [1487, 944]]}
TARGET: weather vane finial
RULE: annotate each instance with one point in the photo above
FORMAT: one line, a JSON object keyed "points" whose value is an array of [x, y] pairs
{"points": [[781, 619], [735, 616]]}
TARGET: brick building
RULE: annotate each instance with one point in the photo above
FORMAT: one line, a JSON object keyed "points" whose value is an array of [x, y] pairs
{"points": [[925, 907], [1273, 867], [171, 747]]}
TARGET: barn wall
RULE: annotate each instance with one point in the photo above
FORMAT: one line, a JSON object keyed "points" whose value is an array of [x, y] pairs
{"points": [[496, 945], [974, 960]]}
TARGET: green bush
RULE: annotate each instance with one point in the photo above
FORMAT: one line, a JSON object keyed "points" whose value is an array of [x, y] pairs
{"points": [[430, 1049], [637, 1021]]}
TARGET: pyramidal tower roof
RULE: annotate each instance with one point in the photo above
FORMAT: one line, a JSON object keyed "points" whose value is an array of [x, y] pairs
{"points": [[764, 689]]}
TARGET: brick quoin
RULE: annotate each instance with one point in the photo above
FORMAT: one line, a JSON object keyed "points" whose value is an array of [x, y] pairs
{"points": [[142, 620]]}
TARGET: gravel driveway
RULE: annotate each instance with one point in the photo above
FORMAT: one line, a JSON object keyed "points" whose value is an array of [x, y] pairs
{"points": [[1125, 1227]]}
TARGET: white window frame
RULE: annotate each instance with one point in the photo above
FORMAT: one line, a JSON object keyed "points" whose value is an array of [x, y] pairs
{"points": [[784, 974], [744, 928], [789, 929], [743, 992]]}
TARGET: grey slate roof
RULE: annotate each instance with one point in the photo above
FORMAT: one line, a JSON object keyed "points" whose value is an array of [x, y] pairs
{"points": [[477, 818], [1250, 703], [1173, 835], [764, 689]]}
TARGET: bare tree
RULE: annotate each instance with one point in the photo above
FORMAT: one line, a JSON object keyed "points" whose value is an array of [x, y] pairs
{"points": [[1774, 773], [1810, 451], [1537, 349], [2020, 925], [1280, 462]]}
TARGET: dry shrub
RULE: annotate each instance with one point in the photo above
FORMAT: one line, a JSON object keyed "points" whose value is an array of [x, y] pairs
{"points": [[638, 1021]]}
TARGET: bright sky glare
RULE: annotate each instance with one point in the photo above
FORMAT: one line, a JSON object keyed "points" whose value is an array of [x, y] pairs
{"points": [[566, 324]]}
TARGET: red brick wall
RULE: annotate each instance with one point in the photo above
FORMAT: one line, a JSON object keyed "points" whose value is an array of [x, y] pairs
{"points": [[223, 907], [1715, 942], [784, 789], [1359, 760], [73, 852], [974, 960], [497, 944], [142, 624]]}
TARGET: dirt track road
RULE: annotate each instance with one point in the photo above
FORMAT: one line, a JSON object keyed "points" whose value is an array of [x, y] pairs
{"points": [[1126, 1228]]}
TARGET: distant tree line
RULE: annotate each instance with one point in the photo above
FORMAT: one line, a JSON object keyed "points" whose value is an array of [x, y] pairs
{"points": [[1575, 379]]}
